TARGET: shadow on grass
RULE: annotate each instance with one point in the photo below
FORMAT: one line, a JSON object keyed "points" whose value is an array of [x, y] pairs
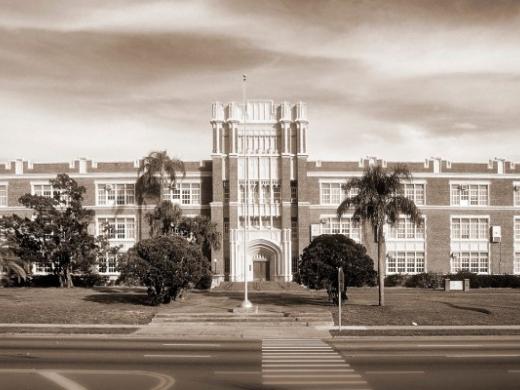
{"points": [[469, 308], [118, 298], [275, 299]]}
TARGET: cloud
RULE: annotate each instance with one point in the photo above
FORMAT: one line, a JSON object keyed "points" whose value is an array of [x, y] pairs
{"points": [[380, 78]]}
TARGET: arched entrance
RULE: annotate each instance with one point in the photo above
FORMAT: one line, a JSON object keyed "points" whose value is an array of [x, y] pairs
{"points": [[261, 266], [264, 259]]}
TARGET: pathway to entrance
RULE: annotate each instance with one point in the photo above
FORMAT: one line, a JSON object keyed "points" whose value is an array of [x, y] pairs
{"points": [[282, 313]]}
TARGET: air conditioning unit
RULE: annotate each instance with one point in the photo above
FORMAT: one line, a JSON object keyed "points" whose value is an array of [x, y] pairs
{"points": [[496, 234]]}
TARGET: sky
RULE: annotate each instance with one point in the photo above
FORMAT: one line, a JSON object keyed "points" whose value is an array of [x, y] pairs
{"points": [[400, 80]]}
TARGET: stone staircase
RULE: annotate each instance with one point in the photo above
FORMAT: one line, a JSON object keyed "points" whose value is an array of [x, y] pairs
{"points": [[259, 286], [263, 319]]}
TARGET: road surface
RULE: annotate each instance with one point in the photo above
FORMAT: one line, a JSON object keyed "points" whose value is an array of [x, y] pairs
{"points": [[50, 363]]}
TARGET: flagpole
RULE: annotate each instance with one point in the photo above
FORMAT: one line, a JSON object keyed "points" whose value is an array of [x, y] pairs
{"points": [[246, 303]]}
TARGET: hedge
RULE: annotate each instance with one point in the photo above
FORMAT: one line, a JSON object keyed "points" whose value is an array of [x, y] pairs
{"points": [[436, 280], [51, 280]]}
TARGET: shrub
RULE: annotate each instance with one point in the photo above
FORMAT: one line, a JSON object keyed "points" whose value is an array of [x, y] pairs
{"points": [[318, 267], [396, 280], [425, 280], [487, 281], [205, 282], [50, 280], [166, 265], [89, 280]]}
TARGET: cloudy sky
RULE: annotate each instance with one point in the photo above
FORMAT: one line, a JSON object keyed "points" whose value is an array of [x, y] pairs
{"points": [[407, 80]]}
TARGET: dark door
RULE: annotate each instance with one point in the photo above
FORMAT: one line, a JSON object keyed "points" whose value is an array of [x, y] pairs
{"points": [[261, 270]]}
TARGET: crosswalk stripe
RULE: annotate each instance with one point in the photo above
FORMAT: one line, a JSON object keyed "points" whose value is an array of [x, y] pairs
{"points": [[304, 363]]}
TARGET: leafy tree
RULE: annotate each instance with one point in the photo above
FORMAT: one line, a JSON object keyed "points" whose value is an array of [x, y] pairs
{"points": [[57, 233], [157, 172], [164, 219], [379, 201], [167, 265], [167, 219], [319, 264], [201, 231]]}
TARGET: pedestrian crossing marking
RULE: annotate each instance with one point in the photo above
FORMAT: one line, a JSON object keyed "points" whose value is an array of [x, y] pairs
{"points": [[306, 363]]}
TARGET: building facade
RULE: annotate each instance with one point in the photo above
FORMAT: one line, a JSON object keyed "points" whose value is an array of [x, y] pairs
{"points": [[269, 201]]}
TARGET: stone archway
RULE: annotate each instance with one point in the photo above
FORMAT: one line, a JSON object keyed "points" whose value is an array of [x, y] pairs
{"points": [[264, 260]]}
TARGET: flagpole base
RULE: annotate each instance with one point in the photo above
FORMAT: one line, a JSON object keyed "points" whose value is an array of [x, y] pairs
{"points": [[246, 307]]}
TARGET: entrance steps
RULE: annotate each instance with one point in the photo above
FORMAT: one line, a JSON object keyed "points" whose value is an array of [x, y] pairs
{"points": [[260, 286], [264, 319]]}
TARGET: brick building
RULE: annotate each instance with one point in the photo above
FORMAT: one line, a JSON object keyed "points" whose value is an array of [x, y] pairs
{"points": [[471, 210]]}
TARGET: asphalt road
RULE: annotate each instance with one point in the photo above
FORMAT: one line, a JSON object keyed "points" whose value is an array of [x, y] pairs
{"points": [[375, 363]]}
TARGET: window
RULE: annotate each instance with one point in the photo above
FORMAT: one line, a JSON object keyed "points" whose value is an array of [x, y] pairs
{"points": [[294, 229], [404, 229], [471, 228], [294, 192], [108, 265], [184, 193], [225, 188], [516, 194], [477, 262], [117, 228], [346, 226], [42, 268], [414, 192], [469, 195], [3, 195], [516, 264], [226, 228], [517, 229], [43, 190], [112, 194], [276, 192], [409, 262], [334, 194], [331, 193]]}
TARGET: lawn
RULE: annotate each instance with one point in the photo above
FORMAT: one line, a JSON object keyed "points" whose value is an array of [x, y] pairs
{"points": [[429, 307], [75, 306]]}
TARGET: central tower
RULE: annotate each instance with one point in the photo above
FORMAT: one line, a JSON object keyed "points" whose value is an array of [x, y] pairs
{"points": [[258, 156]]}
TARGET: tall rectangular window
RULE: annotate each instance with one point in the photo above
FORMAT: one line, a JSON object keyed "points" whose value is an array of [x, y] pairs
{"points": [[294, 229], [294, 192], [225, 189], [516, 264], [115, 194], [516, 229], [3, 195], [107, 265], [516, 194], [469, 194], [331, 193], [415, 192]]}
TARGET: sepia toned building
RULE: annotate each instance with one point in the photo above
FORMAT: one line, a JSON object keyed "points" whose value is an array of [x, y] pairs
{"points": [[260, 183]]}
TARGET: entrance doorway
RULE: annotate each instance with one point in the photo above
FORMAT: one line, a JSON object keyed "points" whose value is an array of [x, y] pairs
{"points": [[261, 266]]}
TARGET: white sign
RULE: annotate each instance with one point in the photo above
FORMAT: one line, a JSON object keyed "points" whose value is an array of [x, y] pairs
{"points": [[456, 285]]}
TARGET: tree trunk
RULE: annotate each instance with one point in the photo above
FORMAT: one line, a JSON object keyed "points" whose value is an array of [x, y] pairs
{"points": [[66, 277], [381, 265]]}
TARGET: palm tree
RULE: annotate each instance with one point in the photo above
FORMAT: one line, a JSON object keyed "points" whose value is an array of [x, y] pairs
{"points": [[379, 201], [10, 264], [157, 172]]}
